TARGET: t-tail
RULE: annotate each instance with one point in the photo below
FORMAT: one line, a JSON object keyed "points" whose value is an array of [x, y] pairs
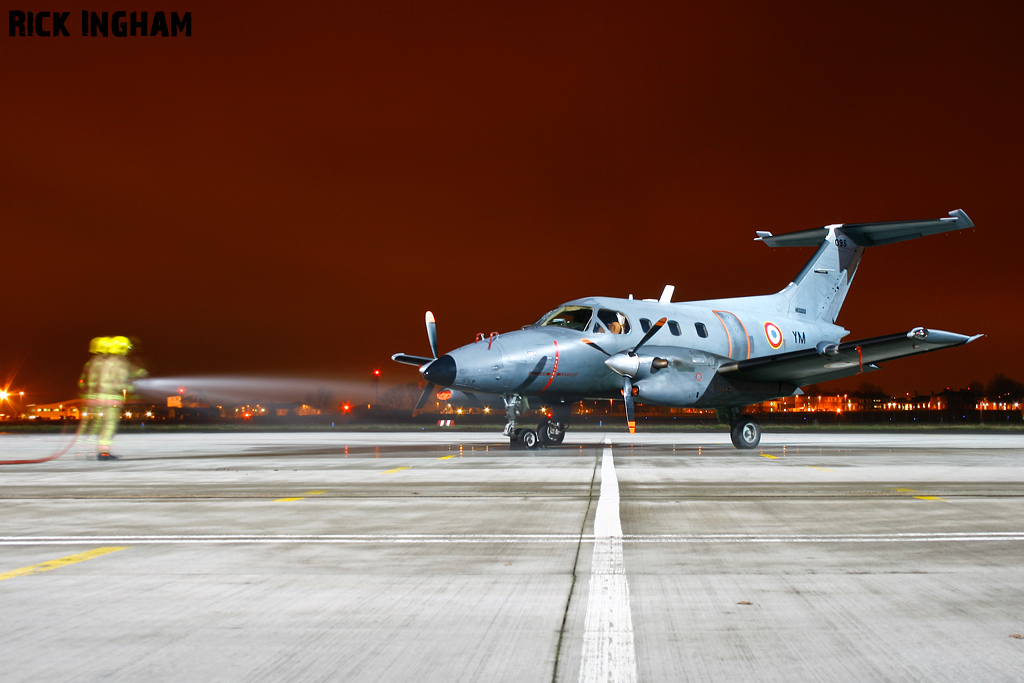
{"points": [[819, 290]]}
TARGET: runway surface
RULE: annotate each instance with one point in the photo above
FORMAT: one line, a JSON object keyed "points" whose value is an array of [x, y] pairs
{"points": [[446, 557]]}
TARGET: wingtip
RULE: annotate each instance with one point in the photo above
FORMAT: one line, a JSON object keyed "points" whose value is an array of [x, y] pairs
{"points": [[961, 215]]}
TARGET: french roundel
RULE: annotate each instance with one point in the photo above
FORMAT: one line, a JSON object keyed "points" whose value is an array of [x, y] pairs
{"points": [[774, 335]]}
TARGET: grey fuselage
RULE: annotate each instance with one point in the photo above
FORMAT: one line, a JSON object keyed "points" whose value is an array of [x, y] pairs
{"points": [[552, 364]]}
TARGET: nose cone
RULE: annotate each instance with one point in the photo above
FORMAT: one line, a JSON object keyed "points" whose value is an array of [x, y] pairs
{"points": [[624, 364], [441, 372]]}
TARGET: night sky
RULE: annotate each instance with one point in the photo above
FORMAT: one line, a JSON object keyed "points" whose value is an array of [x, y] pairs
{"points": [[286, 192]]}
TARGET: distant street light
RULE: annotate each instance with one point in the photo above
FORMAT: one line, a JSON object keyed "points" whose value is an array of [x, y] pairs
{"points": [[376, 383]]}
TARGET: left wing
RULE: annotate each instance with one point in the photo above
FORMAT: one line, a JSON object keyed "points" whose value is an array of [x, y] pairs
{"points": [[832, 360]]}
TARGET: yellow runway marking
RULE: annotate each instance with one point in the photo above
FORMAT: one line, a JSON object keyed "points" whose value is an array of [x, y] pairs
{"points": [[314, 493], [815, 467], [765, 455], [446, 457], [929, 498], [904, 490], [60, 562], [285, 500], [397, 469]]}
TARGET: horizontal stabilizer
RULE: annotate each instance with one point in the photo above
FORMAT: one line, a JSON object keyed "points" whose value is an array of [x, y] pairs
{"points": [[871, 234], [411, 360], [832, 360]]}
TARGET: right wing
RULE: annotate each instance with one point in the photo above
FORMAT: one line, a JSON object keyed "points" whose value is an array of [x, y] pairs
{"points": [[832, 360]]}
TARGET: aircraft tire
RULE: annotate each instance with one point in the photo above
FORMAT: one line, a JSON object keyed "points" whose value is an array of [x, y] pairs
{"points": [[550, 434], [529, 439], [745, 433]]}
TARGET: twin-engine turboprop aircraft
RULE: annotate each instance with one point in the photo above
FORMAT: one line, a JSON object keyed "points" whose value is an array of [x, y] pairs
{"points": [[720, 353]]}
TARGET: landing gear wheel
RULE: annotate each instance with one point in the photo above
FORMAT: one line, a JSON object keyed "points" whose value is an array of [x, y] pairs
{"points": [[551, 434], [529, 439], [745, 433]]}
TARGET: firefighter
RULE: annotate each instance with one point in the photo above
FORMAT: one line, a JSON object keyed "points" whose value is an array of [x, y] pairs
{"points": [[106, 378]]}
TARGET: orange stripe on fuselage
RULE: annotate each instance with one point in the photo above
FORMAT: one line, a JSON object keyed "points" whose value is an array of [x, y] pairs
{"points": [[728, 337]]}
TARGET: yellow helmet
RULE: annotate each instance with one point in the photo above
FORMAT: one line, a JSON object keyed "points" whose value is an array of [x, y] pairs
{"points": [[114, 346], [118, 346]]}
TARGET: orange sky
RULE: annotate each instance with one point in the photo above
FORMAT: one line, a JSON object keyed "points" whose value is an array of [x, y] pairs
{"points": [[287, 193]]}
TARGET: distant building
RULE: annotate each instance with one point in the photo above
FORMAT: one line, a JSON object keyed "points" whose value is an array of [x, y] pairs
{"points": [[68, 410]]}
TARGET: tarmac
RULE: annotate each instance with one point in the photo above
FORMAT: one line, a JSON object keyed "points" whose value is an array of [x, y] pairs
{"points": [[443, 556]]}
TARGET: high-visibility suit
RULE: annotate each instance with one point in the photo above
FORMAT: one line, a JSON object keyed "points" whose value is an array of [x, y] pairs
{"points": [[105, 379]]}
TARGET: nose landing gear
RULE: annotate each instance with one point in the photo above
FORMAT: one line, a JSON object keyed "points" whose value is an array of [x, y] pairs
{"points": [[549, 432], [513, 409], [518, 438]]}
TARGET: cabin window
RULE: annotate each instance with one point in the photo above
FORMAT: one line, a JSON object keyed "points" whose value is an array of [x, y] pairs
{"points": [[702, 330], [614, 322], [673, 327], [597, 329], [572, 317], [645, 325]]}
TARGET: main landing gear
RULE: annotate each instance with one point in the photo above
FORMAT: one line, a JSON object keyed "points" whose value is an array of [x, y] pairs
{"points": [[745, 433], [549, 432], [744, 430]]}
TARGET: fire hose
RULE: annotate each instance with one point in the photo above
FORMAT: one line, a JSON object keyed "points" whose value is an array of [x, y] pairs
{"points": [[54, 456]]}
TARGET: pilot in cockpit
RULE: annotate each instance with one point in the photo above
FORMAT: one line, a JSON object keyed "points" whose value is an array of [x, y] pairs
{"points": [[614, 321]]}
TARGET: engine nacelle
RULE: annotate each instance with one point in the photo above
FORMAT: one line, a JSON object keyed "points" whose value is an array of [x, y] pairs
{"points": [[675, 378]]}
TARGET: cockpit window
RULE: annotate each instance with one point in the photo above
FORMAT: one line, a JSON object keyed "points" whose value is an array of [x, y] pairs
{"points": [[615, 322], [573, 317]]}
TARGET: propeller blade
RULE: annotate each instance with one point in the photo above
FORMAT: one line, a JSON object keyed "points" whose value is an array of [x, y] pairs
{"points": [[627, 396], [650, 333], [411, 360], [424, 397], [432, 333], [595, 346]]}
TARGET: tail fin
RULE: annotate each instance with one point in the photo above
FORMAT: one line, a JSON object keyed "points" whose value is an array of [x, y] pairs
{"points": [[819, 290]]}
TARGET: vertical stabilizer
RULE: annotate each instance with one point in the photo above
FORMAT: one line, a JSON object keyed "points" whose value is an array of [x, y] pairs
{"points": [[819, 290]]}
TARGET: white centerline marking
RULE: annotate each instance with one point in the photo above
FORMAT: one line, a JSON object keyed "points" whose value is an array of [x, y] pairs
{"points": [[609, 652]]}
